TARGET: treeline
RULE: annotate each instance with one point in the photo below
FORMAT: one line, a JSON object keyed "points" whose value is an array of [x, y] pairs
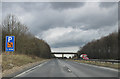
{"points": [[104, 48], [25, 43]]}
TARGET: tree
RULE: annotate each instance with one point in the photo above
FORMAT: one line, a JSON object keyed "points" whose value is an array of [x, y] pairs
{"points": [[104, 48], [26, 43]]}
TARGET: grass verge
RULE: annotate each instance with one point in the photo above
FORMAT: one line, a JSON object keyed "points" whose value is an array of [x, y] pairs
{"points": [[16, 60], [104, 64]]}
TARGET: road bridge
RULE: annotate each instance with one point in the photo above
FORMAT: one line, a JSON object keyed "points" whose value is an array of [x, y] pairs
{"points": [[63, 53]]}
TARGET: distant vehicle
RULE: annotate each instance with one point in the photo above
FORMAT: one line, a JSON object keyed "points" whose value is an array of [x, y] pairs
{"points": [[84, 56]]}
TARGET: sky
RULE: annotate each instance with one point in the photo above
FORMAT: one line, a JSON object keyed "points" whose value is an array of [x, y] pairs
{"points": [[66, 26], [0, 11]]}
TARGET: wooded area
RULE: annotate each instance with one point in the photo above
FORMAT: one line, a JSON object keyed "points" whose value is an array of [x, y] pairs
{"points": [[104, 48], [26, 43]]}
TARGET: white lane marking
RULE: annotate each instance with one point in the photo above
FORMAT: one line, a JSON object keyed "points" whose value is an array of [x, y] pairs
{"points": [[29, 70], [68, 69], [99, 66]]}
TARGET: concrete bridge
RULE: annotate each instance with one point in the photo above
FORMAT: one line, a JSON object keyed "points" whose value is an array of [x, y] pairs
{"points": [[63, 53]]}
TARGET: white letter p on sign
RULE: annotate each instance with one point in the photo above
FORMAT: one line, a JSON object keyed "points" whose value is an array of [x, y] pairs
{"points": [[10, 38]]}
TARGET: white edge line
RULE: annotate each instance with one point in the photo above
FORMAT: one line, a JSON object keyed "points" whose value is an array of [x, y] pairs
{"points": [[29, 70]]}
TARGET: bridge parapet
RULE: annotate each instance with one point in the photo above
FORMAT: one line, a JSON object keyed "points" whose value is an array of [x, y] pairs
{"points": [[62, 53]]}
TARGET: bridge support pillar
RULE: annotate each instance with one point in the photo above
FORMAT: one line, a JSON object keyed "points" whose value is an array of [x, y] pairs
{"points": [[77, 56], [62, 55]]}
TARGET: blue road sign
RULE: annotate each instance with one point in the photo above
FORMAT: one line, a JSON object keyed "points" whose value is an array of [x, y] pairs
{"points": [[10, 43]]}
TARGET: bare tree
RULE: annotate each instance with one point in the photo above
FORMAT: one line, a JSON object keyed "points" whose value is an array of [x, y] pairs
{"points": [[26, 43]]}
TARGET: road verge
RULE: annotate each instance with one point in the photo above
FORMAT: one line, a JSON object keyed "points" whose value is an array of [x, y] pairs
{"points": [[103, 64], [18, 64]]}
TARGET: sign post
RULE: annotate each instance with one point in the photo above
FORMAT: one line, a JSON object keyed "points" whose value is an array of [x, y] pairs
{"points": [[10, 46]]}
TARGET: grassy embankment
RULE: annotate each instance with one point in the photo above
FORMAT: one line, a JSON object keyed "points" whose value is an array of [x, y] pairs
{"points": [[17, 60], [104, 64]]}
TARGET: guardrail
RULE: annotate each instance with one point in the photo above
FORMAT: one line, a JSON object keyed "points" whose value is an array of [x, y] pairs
{"points": [[103, 60]]}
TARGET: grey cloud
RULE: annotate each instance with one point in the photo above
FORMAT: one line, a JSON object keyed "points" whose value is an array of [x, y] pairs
{"points": [[25, 6], [51, 19], [36, 12], [68, 40], [68, 44], [107, 4], [98, 20], [66, 5], [44, 17], [40, 17], [71, 37], [77, 39]]}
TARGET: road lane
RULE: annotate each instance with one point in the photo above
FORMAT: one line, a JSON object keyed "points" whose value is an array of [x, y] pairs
{"points": [[85, 70], [52, 68], [63, 68]]}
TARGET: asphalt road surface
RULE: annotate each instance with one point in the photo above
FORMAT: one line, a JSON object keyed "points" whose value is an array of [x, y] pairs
{"points": [[64, 68]]}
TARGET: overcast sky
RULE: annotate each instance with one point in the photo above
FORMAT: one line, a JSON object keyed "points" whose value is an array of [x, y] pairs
{"points": [[66, 26]]}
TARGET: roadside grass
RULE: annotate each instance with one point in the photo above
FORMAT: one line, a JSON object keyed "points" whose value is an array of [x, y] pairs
{"points": [[12, 60], [104, 64]]}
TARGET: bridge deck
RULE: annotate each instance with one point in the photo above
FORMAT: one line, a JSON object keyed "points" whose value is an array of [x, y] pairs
{"points": [[62, 53]]}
